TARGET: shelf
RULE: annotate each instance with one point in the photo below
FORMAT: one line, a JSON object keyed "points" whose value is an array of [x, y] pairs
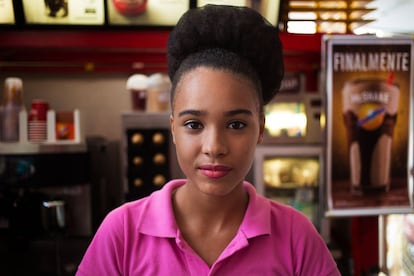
{"points": [[140, 119], [50, 145], [40, 148]]}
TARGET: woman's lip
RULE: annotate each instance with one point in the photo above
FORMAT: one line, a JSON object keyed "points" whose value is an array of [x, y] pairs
{"points": [[214, 171], [215, 167]]}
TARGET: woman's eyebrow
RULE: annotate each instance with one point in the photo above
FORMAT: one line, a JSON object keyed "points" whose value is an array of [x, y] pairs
{"points": [[193, 112], [238, 111], [229, 113]]}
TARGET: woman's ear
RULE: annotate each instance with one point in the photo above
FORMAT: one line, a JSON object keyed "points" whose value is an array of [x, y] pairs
{"points": [[261, 130], [172, 127]]}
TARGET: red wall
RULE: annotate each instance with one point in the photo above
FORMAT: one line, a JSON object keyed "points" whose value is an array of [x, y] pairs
{"points": [[124, 50]]}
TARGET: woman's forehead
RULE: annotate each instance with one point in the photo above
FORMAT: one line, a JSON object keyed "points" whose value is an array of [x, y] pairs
{"points": [[209, 74], [218, 88]]}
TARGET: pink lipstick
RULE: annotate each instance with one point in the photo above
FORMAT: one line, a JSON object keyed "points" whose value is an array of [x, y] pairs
{"points": [[213, 171]]}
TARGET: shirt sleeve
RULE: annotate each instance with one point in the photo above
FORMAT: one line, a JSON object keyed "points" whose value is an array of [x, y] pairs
{"points": [[312, 255], [105, 253]]}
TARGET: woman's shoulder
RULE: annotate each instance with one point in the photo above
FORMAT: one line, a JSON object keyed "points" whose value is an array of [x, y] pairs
{"points": [[128, 207], [124, 215], [147, 210], [139, 205], [287, 216], [284, 209]]}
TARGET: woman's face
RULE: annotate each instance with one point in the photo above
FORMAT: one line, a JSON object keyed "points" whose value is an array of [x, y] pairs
{"points": [[216, 125]]}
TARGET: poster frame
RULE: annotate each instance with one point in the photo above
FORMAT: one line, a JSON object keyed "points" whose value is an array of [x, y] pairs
{"points": [[328, 41]]}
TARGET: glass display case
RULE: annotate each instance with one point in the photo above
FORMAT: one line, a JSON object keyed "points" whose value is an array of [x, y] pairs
{"points": [[149, 158], [291, 175]]}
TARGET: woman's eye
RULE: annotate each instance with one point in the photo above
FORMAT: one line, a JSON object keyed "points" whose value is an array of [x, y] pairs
{"points": [[193, 125], [237, 125]]}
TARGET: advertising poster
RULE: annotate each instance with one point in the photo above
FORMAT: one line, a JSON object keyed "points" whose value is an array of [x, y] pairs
{"points": [[369, 124], [6, 12], [146, 12], [65, 12]]}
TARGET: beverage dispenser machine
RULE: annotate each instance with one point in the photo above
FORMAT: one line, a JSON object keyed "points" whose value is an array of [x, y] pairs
{"points": [[288, 165]]}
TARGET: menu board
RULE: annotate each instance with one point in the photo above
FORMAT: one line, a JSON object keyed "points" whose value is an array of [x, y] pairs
{"points": [[146, 12], [65, 12], [369, 124], [6, 12], [267, 8]]}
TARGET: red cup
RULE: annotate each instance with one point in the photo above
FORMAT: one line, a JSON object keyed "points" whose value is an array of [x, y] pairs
{"points": [[139, 99], [39, 109]]}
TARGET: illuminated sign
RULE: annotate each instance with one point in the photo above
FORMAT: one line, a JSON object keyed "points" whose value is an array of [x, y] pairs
{"points": [[6, 12], [64, 12]]}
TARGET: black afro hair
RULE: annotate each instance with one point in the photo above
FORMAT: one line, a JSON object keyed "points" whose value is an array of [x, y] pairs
{"points": [[240, 30]]}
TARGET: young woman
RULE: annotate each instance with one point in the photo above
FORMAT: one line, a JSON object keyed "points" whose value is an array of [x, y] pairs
{"points": [[225, 63]]}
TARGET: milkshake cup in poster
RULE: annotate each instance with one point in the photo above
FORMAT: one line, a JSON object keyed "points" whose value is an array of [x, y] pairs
{"points": [[369, 109], [130, 7]]}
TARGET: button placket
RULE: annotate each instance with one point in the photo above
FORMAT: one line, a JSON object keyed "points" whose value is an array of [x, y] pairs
{"points": [[195, 265]]}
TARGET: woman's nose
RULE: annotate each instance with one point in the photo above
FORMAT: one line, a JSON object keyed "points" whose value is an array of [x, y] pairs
{"points": [[214, 143]]}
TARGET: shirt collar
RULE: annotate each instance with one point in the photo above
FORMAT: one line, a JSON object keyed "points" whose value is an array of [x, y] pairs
{"points": [[256, 221], [158, 216]]}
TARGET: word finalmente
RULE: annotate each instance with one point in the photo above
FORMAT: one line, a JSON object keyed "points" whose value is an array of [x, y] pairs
{"points": [[376, 61]]}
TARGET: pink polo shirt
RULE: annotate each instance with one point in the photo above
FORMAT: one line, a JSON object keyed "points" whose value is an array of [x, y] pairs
{"points": [[142, 238]]}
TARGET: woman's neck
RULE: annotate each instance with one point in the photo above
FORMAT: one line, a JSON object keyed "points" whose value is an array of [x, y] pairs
{"points": [[205, 210], [209, 223]]}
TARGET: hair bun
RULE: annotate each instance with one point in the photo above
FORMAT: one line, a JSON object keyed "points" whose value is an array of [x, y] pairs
{"points": [[240, 30]]}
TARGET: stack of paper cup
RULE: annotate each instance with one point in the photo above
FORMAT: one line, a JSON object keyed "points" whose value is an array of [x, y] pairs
{"points": [[158, 93], [38, 121], [10, 108]]}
